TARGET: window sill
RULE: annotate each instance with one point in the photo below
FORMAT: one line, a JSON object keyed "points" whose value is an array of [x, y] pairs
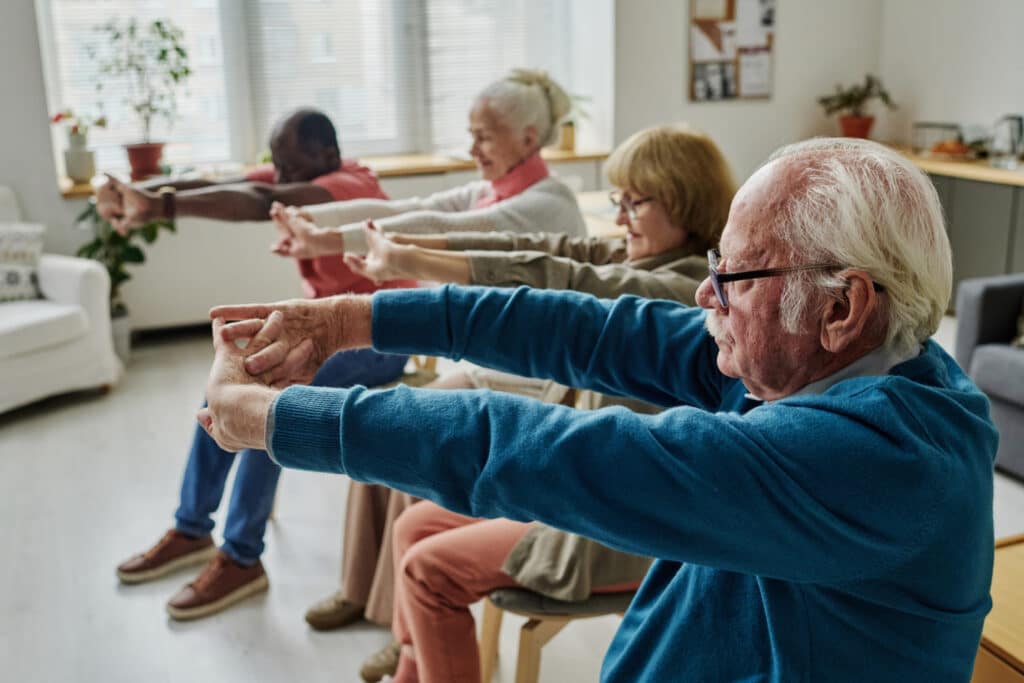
{"points": [[392, 166]]}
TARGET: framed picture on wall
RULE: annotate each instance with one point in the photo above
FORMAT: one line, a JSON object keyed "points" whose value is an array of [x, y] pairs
{"points": [[731, 45]]}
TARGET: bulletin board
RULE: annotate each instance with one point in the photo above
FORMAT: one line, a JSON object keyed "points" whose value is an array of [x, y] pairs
{"points": [[731, 44]]}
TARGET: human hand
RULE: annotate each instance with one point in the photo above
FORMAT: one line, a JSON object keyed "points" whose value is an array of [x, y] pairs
{"points": [[307, 334], [298, 235], [383, 257], [138, 207], [108, 199], [237, 404]]}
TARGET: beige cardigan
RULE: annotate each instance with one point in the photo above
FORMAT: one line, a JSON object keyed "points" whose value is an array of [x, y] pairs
{"points": [[552, 562]]}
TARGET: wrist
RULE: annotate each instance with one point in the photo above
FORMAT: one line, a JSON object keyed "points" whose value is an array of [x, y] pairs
{"points": [[351, 321], [328, 241]]}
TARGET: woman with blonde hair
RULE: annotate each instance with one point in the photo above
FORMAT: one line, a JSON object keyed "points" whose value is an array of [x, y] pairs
{"points": [[674, 190]]}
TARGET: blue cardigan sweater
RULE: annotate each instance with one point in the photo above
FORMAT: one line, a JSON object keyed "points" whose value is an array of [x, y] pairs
{"points": [[842, 536]]}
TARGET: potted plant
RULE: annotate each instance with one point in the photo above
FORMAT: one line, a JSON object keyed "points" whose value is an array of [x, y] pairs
{"points": [[854, 122], [153, 63], [79, 160], [567, 131], [115, 251]]}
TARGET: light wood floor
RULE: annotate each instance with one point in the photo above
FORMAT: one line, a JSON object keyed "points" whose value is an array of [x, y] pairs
{"points": [[86, 480]]}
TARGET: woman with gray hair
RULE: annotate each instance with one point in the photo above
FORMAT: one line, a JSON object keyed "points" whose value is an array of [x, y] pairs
{"points": [[511, 120]]}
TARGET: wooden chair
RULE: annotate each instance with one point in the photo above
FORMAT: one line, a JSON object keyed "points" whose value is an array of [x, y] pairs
{"points": [[546, 617]]}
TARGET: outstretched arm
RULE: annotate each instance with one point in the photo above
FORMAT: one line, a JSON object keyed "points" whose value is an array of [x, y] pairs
{"points": [[232, 202], [655, 351]]}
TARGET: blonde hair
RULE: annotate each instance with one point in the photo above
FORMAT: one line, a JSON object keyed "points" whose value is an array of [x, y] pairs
{"points": [[529, 97], [862, 205], [682, 169]]}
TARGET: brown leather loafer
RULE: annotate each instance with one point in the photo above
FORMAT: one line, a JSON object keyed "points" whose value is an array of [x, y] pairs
{"points": [[382, 663], [333, 612], [222, 583], [172, 552]]}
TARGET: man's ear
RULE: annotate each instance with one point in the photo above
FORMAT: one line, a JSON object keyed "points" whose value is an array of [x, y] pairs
{"points": [[847, 318]]}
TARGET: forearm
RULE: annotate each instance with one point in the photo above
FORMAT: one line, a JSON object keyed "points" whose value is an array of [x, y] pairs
{"points": [[241, 202], [416, 263], [336, 214], [181, 184], [425, 241]]}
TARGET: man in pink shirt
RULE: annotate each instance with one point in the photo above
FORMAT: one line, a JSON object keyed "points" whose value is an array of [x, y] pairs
{"points": [[307, 169]]}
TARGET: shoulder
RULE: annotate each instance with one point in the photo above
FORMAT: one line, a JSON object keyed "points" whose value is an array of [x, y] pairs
{"points": [[351, 181]]}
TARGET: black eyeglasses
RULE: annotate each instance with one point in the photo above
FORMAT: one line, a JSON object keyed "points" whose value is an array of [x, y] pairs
{"points": [[624, 203], [719, 279]]}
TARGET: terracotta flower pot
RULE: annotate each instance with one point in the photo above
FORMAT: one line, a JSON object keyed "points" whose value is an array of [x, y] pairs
{"points": [[144, 159], [856, 126]]}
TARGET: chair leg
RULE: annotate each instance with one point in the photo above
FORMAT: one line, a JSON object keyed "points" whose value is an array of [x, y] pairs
{"points": [[490, 629], [533, 636]]}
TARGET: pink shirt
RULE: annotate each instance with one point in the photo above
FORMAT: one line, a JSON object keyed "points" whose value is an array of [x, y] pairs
{"points": [[328, 275], [532, 170]]}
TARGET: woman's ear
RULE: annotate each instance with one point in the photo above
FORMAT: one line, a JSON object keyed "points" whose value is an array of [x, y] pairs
{"points": [[530, 138]]}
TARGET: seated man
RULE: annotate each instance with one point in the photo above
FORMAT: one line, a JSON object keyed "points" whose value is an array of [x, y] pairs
{"points": [[821, 503], [307, 168]]}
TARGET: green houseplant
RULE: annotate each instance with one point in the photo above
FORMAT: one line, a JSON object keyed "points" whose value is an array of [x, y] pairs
{"points": [[577, 112], [850, 103], [152, 61], [116, 251]]}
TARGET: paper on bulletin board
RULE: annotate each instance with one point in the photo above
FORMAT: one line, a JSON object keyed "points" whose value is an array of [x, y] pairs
{"points": [[713, 41], [710, 9], [755, 73], [750, 29]]}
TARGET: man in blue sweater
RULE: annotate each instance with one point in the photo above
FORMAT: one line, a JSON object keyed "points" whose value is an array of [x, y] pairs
{"points": [[820, 498]]}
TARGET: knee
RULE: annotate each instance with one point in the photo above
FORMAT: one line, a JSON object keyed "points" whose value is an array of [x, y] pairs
{"points": [[404, 534]]}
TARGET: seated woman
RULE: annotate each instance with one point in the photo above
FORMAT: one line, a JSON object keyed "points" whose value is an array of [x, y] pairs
{"points": [[675, 189], [511, 120]]}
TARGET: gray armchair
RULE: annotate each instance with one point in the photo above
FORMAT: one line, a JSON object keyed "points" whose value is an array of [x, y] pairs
{"points": [[987, 311]]}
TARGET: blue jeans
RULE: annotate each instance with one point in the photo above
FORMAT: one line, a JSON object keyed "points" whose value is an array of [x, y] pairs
{"points": [[252, 496]]}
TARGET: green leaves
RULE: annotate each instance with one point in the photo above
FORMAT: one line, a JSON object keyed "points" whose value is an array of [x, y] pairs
{"points": [[853, 99], [115, 250], [153, 62]]}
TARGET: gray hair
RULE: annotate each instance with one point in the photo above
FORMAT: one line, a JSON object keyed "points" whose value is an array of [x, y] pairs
{"points": [[863, 205], [529, 97]]}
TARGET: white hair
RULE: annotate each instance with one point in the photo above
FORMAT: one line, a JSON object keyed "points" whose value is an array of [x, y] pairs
{"points": [[863, 205], [528, 97]]}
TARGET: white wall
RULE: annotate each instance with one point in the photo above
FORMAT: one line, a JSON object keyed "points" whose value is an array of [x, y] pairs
{"points": [[817, 43], [26, 159], [952, 60]]}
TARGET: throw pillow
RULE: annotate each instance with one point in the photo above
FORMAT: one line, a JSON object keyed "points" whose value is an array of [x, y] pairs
{"points": [[21, 245], [1019, 339]]}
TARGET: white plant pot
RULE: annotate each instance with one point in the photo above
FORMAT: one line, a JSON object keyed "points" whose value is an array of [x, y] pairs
{"points": [[121, 331], [80, 164]]}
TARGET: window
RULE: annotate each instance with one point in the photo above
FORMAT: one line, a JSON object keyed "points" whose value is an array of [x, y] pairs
{"points": [[395, 76]]}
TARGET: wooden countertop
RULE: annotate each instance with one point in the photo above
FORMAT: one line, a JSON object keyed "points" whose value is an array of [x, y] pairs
{"points": [[977, 169], [1003, 633], [395, 166]]}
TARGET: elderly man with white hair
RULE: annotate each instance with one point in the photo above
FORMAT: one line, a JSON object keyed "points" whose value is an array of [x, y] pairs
{"points": [[820, 498]]}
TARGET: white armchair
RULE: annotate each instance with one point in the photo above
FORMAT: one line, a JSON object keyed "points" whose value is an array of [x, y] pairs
{"points": [[61, 342]]}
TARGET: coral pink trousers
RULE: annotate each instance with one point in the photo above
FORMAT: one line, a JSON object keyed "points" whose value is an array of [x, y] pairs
{"points": [[444, 562]]}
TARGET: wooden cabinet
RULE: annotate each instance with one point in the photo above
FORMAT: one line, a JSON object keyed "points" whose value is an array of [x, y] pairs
{"points": [[1017, 255], [1001, 654], [985, 224]]}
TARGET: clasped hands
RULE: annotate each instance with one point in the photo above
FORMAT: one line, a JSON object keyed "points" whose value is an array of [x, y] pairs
{"points": [[299, 237], [126, 207], [263, 348]]}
